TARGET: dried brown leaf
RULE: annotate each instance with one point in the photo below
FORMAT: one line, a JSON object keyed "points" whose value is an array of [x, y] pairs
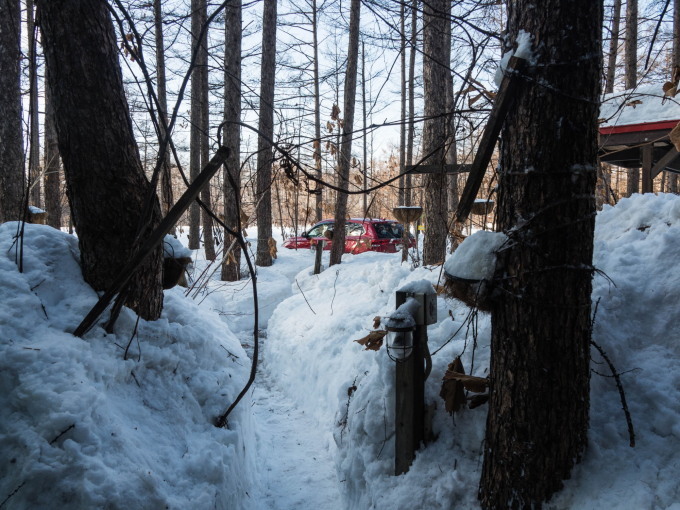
{"points": [[373, 341]]}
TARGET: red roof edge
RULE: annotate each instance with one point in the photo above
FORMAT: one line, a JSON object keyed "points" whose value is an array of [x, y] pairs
{"points": [[644, 126]]}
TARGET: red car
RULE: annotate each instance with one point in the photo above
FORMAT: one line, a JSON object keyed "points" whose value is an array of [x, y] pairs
{"points": [[361, 234]]}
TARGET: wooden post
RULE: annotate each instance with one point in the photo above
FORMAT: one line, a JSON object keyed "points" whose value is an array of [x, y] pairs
{"points": [[410, 399], [317, 257], [647, 157]]}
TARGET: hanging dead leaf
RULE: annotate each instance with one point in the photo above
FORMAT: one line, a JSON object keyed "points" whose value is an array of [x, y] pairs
{"points": [[376, 321], [478, 400], [452, 391], [373, 341], [330, 126], [129, 37], [335, 112], [470, 382], [230, 258], [467, 90], [440, 290], [316, 144], [670, 89], [244, 219], [634, 103], [674, 135], [474, 99], [272, 247], [358, 179]]}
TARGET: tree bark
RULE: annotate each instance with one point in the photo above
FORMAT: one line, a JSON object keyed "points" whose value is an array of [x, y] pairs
{"points": [[266, 126], [204, 130], [633, 182], [52, 165], [232, 136], [613, 47], [436, 50], [402, 100], [318, 202], [34, 171], [538, 410], [11, 136], [338, 244], [411, 104], [166, 194], [672, 176], [106, 185], [194, 131]]}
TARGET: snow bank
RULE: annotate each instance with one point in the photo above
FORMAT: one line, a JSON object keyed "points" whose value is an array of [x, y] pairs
{"points": [[475, 258], [350, 391], [85, 428]]}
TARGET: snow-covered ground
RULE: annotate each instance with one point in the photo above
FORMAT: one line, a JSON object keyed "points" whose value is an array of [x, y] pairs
{"points": [[82, 427]]}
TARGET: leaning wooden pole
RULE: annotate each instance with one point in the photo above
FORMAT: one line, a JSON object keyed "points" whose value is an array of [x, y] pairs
{"points": [[154, 238]]}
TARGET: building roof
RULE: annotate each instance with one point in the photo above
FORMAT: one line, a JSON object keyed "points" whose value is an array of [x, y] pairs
{"points": [[641, 109]]}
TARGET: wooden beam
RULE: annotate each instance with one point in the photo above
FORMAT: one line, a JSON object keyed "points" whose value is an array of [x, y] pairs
{"points": [[504, 98], [668, 159], [647, 155], [435, 169], [154, 239]]}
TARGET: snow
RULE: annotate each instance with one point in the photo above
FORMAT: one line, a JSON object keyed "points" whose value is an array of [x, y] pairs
{"points": [[317, 429], [475, 258], [523, 50], [616, 108], [173, 248]]}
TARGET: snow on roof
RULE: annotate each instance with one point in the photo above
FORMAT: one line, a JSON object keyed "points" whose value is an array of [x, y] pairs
{"points": [[622, 108]]}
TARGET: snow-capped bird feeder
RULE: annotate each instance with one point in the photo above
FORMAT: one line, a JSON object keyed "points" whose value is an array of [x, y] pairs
{"points": [[482, 206], [407, 344], [470, 270], [406, 215]]}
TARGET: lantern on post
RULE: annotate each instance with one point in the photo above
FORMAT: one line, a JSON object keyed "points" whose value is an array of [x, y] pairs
{"points": [[407, 344]]}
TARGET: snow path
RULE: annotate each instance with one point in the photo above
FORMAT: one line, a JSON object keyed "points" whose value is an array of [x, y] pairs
{"points": [[294, 454]]}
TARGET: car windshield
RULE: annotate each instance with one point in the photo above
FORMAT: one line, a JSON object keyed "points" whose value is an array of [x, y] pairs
{"points": [[320, 230], [389, 230]]}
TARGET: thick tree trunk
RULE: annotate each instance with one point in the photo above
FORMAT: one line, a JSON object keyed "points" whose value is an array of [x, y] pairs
{"points": [[452, 159], [231, 264], [195, 129], [613, 47], [52, 165], [436, 48], [266, 125], [633, 183], [106, 185], [11, 137], [538, 411], [34, 170], [161, 90], [338, 244], [402, 99]]}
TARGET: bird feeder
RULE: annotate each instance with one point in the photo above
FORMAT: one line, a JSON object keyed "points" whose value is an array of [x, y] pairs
{"points": [[406, 215]]}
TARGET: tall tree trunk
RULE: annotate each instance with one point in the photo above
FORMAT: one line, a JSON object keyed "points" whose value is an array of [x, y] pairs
{"points": [[538, 410], [402, 98], [435, 71], [231, 263], [52, 165], [318, 202], [672, 176], [166, 174], [11, 136], [411, 102], [613, 47], [106, 185], [364, 118], [34, 171], [204, 106], [452, 159], [633, 183], [195, 119], [266, 126], [338, 244]]}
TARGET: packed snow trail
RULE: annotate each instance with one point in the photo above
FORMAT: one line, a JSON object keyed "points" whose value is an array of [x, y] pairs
{"points": [[294, 454]]}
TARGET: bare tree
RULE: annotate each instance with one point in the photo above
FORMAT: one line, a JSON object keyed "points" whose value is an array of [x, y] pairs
{"points": [[52, 165], [11, 138], [195, 118], [266, 126], [161, 91], [633, 185], [112, 203], [338, 244], [34, 171], [613, 47], [539, 396], [436, 56], [231, 263], [672, 176]]}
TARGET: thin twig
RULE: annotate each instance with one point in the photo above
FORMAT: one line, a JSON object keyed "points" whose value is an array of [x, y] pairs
{"points": [[303, 295]]}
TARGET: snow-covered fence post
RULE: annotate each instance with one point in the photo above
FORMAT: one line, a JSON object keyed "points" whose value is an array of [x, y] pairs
{"points": [[416, 308]]}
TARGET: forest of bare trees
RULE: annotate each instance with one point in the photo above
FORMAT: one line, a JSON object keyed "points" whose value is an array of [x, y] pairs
{"points": [[329, 109]]}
